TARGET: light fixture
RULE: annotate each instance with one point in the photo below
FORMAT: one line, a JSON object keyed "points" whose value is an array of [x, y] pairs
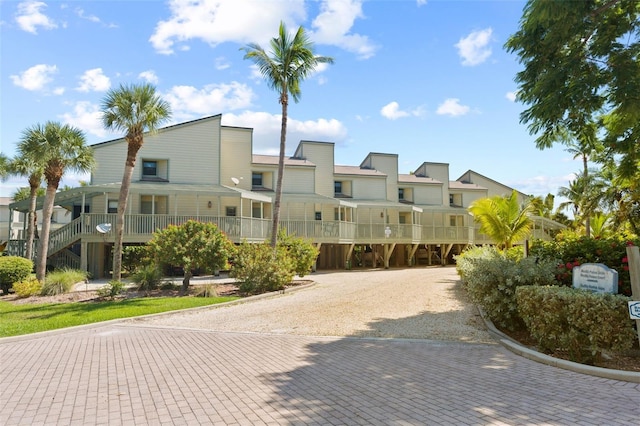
{"points": [[209, 204]]}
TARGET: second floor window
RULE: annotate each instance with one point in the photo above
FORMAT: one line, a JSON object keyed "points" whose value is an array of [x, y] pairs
{"points": [[256, 180], [400, 193], [149, 169], [337, 187], [112, 207]]}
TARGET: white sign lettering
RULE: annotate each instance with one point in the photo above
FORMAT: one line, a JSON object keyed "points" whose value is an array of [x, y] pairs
{"points": [[595, 277]]}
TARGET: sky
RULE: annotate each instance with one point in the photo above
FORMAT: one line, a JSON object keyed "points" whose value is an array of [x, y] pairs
{"points": [[428, 80]]}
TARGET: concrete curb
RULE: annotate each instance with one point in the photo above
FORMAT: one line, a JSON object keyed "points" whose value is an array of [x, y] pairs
{"points": [[518, 349]]}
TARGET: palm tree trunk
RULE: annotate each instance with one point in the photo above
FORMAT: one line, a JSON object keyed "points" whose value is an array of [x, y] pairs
{"points": [[276, 203], [132, 152], [43, 243], [32, 226]]}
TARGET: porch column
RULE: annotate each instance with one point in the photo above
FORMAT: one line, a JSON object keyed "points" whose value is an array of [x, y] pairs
{"points": [[348, 256], [83, 255], [314, 267]]}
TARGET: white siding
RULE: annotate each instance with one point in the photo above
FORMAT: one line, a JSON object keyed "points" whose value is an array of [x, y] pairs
{"points": [[192, 151], [428, 194], [298, 180], [387, 164], [236, 146], [368, 188], [321, 154]]}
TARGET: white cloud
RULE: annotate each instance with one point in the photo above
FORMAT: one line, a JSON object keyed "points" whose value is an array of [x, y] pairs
{"points": [[94, 80], [266, 130], [511, 96], [474, 49], [392, 111], [59, 91], [92, 18], [149, 76], [29, 17], [218, 21], [86, 116], [333, 24], [212, 99], [421, 2], [36, 77], [222, 63], [452, 107]]}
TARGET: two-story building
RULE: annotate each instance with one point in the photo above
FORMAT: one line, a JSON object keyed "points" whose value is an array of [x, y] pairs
{"points": [[367, 215]]}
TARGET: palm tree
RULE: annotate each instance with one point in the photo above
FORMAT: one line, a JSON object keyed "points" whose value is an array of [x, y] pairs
{"points": [[4, 166], [59, 148], [290, 61], [33, 169], [132, 109], [543, 207], [503, 219], [583, 195]]}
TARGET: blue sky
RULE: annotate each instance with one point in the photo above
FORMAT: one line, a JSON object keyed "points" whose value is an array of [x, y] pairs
{"points": [[428, 80]]}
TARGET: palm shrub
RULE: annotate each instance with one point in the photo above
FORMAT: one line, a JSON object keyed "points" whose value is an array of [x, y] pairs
{"points": [[259, 268], [13, 269], [62, 281], [147, 277], [112, 289], [491, 278]]}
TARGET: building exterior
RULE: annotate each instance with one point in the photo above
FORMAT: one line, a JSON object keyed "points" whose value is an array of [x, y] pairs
{"points": [[368, 215]]}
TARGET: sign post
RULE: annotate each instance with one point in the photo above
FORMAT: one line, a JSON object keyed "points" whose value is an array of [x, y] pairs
{"points": [[633, 254]]}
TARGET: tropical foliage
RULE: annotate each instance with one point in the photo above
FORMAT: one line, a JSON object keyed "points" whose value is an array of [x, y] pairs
{"points": [[503, 219], [290, 61]]}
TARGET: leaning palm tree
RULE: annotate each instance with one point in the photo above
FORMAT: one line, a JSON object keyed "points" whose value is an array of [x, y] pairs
{"points": [[290, 61], [60, 148], [132, 109], [33, 169], [503, 219]]}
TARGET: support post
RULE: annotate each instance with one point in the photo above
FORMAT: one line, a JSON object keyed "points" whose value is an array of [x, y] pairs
{"points": [[633, 254]]}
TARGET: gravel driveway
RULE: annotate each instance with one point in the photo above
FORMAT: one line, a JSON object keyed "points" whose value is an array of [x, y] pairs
{"points": [[413, 303]]}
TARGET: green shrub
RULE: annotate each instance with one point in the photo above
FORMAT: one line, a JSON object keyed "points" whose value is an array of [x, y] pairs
{"points": [[112, 289], [27, 287], [148, 277], [582, 323], [301, 251], [491, 279], [258, 271], [62, 281], [572, 251], [13, 269], [133, 257]]}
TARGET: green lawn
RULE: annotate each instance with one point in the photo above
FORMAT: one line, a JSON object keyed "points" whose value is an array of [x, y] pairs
{"points": [[31, 318]]}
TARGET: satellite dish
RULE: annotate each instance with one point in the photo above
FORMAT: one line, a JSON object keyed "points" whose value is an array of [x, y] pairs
{"points": [[103, 228], [235, 180]]}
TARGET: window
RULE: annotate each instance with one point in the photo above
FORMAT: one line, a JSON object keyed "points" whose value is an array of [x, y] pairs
{"points": [[318, 215], [256, 210], [337, 187], [112, 206], [231, 211], [149, 168], [456, 220], [400, 193], [257, 180]]}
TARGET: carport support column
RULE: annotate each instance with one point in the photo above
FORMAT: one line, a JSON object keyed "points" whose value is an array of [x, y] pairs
{"points": [[314, 267], [348, 256], [412, 252], [388, 250]]}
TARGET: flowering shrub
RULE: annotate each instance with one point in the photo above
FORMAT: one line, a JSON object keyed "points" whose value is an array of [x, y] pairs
{"points": [[575, 251]]}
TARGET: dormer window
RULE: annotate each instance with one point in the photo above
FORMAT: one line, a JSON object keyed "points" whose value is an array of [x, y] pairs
{"points": [[337, 187], [401, 194], [155, 170], [257, 180]]}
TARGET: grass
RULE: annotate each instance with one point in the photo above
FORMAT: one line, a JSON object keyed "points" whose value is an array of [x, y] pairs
{"points": [[16, 320]]}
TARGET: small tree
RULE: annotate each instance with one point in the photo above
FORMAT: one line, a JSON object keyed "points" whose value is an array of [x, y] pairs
{"points": [[301, 251], [192, 245], [258, 271]]}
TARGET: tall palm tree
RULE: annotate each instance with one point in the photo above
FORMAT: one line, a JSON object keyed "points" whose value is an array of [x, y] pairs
{"points": [[132, 109], [60, 148], [33, 169], [289, 62], [583, 196], [503, 219], [4, 166]]}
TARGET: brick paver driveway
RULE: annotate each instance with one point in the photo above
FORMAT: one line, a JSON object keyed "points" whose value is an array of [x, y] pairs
{"points": [[139, 373]]}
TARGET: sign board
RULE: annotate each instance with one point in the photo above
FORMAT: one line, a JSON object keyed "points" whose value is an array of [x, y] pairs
{"points": [[634, 310], [595, 277]]}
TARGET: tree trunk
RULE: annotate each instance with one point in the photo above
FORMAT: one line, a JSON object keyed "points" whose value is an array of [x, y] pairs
{"points": [[43, 242], [184, 290], [32, 226], [276, 203], [132, 151]]}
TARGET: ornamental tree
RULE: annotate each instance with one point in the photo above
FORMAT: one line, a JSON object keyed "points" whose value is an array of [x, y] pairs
{"points": [[192, 245]]}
